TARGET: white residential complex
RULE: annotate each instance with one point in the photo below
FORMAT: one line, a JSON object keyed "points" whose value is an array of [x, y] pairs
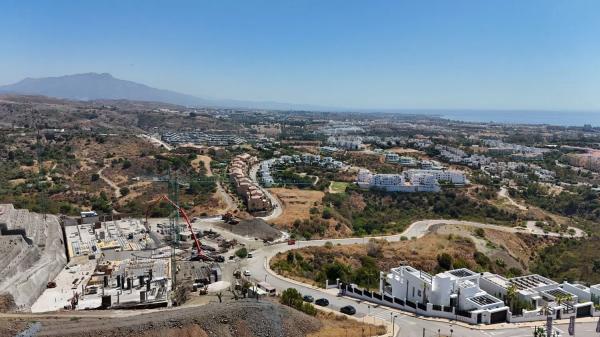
{"points": [[477, 298], [304, 159], [347, 142], [410, 181]]}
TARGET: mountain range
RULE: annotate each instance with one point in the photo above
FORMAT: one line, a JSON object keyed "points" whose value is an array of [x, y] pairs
{"points": [[93, 86]]}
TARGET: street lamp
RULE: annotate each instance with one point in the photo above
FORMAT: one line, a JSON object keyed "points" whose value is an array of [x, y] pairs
{"points": [[393, 326]]}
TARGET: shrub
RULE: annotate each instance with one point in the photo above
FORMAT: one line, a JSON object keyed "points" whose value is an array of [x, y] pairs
{"points": [[480, 232], [124, 190], [444, 261], [242, 253]]}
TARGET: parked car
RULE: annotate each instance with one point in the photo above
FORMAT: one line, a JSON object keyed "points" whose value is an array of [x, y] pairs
{"points": [[308, 298], [249, 255], [219, 258], [246, 273], [322, 302], [348, 310]]}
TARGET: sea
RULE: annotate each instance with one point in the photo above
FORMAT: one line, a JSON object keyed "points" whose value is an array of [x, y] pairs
{"points": [[559, 118]]}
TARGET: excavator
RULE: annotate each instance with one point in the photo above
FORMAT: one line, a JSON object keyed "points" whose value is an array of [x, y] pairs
{"points": [[228, 218], [199, 253]]}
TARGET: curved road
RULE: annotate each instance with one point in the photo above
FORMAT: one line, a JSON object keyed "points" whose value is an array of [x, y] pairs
{"points": [[409, 324], [277, 206]]}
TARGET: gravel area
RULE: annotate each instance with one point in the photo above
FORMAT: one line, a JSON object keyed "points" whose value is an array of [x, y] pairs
{"points": [[253, 227]]}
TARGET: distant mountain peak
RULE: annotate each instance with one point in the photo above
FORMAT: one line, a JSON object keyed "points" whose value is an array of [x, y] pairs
{"points": [[92, 86]]}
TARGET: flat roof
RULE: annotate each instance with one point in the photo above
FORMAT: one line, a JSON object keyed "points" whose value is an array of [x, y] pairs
{"points": [[530, 281], [484, 300]]}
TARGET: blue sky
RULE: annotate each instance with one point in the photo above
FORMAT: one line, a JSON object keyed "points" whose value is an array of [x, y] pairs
{"points": [[496, 54]]}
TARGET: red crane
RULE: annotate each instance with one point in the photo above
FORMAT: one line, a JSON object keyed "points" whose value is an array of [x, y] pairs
{"points": [[199, 251]]}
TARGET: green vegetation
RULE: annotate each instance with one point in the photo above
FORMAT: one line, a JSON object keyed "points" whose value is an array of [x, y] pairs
{"points": [[580, 201], [373, 212], [242, 253], [367, 275], [292, 298], [571, 259], [338, 186]]}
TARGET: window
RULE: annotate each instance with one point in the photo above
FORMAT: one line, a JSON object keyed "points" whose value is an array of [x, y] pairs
{"points": [[413, 292], [419, 293]]}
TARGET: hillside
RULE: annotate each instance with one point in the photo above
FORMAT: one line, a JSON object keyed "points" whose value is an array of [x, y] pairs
{"points": [[95, 86], [91, 86]]}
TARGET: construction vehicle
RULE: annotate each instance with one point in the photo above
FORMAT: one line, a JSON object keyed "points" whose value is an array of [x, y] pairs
{"points": [[229, 219], [199, 253]]}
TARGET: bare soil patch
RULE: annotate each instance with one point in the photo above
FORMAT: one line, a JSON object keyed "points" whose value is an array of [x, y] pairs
{"points": [[296, 204]]}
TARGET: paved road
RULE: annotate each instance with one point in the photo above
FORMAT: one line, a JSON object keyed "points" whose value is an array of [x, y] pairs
{"points": [[277, 206], [409, 325], [157, 141]]}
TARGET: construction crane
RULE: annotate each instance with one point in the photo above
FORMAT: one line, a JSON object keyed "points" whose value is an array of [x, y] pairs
{"points": [[199, 252]]}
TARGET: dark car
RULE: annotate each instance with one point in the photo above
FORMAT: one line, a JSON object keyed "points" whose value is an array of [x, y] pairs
{"points": [[219, 258], [322, 302], [348, 310], [308, 298]]}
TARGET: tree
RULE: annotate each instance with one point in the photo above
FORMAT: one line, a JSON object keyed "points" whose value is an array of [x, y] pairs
{"points": [[124, 190], [374, 248], [291, 297], [241, 253], [444, 261], [126, 164], [95, 177]]}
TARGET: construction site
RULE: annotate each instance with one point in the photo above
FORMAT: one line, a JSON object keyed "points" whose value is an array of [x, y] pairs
{"points": [[32, 253], [106, 263]]}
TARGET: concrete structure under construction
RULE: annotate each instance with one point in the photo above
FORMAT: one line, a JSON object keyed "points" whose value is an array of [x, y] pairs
{"points": [[31, 253], [93, 238]]}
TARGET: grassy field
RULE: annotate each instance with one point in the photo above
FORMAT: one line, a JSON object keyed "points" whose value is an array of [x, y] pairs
{"points": [[338, 187]]}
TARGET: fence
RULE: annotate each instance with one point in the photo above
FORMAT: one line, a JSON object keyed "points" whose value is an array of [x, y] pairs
{"points": [[424, 309]]}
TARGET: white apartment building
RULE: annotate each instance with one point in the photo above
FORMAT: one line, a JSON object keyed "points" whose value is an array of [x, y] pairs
{"points": [[422, 182], [454, 177], [392, 157]]}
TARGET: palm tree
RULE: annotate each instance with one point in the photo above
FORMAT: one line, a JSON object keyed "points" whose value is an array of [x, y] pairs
{"points": [[511, 297], [539, 332], [564, 298], [545, 310]]}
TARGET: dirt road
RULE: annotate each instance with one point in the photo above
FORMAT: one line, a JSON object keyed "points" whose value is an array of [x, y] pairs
{"points": [[115, 187]]}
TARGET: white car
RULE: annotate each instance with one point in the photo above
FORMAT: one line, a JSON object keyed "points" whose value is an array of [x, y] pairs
{"points": [[246, 273]]}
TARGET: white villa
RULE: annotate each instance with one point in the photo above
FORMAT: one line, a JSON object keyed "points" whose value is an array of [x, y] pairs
{"points": [[458, 289], [562, 300], [476, 298]]}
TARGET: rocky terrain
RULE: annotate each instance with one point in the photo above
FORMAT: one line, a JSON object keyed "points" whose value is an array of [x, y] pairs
{"points": [[245, 318], [31, 254]]}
